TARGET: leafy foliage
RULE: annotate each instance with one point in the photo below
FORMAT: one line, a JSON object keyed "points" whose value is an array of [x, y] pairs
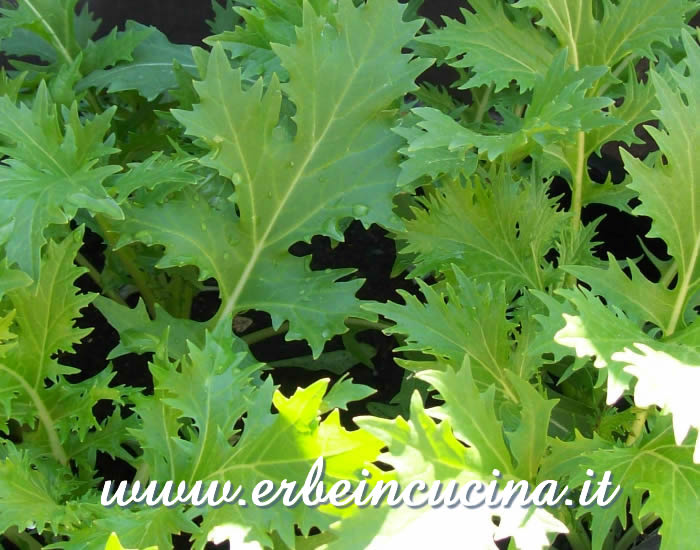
{"points": [[174, 192]]}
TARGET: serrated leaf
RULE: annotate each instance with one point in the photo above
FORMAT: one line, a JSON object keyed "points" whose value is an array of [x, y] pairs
{"points": [[27, 497], [142, 529], [343, 392], [600, 332], [495, 232], [421, 449], [675, 213], [113, 543], [191, 231], [150, 71], [51, 173], [485, 44], [52, 20], [665, 371], [270, 446], [622, 29], [639, 102], [656, 465], [432, 161], [641, 299], [338, 132], [171, 172], [560, 107], [270, 22], [45, 315], [111, 49], [225, 18], [139, 334], [528, 441], [470, 322]]}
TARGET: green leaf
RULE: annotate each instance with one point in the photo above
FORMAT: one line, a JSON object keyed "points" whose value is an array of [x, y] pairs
{"points": [[638, 297], [347, 127], [45, 314], [168, 173], [139, 334], [113, 543], [269, 22], [560, 107], [675, 213], [150, 71], [665, 371], [668, 382], [485, 44], [432, 161], [27, 497], [656, 465], [621, 30], [640, 100], [528, 441], [422, 449], [143, 528], [111, 49], [464, 320], [600, 332], [225, 18], [52, 20], [343, 392], [191, 231], [270, 446], [52, 171], [495, 232]]}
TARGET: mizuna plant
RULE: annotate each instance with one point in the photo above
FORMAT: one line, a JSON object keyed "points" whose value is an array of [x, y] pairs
{"points": [[157, 174]]}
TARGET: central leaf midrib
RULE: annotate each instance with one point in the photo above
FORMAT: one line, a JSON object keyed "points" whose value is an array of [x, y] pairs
{"points": [[261, 244]]}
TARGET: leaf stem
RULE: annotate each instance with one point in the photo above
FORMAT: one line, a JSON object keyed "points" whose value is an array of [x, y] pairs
{"points": [[97, 277], [627, 540], [577, 191], [637, 428], [44, 417], [186, 300], [683, 288], [577, 538], [92, 100], [264, 334], [21, 539], [127, 261], [483, 104], [667, 277], [52, 33], [621, 67]]}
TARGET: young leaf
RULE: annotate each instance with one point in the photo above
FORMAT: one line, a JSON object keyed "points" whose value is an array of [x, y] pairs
{"points": [[496, 232], [150, 70], [485, 44], [471, 322], [52, 172]]}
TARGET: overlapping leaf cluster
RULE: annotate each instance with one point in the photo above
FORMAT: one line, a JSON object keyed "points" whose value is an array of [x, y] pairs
{"points": [[197, 170]]}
